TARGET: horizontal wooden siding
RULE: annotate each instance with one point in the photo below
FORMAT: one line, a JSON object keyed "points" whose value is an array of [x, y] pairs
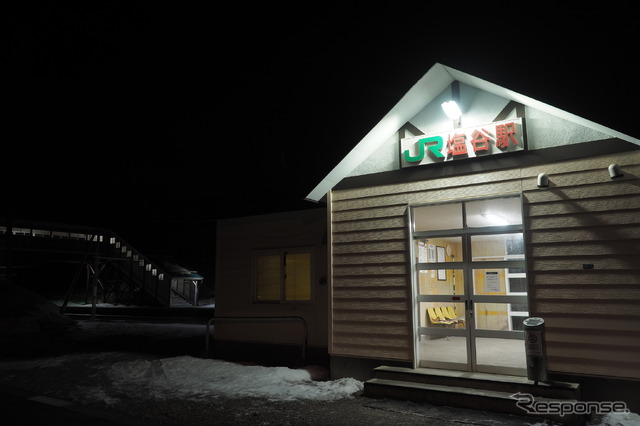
{"points": [[583, 218], [583, 240]]}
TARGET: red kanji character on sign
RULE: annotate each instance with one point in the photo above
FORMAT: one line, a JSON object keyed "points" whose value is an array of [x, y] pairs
{"points": [[480, 141], [457, 145], [504, 133]]}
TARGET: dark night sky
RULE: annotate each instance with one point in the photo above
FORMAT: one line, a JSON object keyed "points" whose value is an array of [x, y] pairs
{"points": [[155, 120]]}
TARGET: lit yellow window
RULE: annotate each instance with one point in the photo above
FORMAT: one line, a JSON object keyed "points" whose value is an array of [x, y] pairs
{"points": [[283, 277], [268, 279], [297, 279]]}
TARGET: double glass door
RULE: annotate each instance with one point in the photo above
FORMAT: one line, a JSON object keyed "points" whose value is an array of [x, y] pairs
{"points": [[470, 285]]}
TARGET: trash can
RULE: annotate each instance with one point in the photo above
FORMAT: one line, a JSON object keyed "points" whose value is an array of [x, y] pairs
{"points": [[536, 350]]}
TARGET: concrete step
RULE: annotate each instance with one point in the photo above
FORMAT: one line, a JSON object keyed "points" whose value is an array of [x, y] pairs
{"points": [[488, 392], [497, 382]]}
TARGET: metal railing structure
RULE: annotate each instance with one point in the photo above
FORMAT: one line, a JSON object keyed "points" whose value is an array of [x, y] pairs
{"points": [[97, 250], [187, 287], [301, 320]]}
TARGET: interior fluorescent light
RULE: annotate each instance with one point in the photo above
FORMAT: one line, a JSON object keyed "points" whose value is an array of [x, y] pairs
{"points": [[452, 110], [495, 219]]}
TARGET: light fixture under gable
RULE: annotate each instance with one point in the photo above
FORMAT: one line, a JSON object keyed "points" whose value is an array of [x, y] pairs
{"points": [[452, 110]]}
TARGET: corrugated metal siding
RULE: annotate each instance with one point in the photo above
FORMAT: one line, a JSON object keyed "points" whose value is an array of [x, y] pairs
{"points": [[584, 217]]}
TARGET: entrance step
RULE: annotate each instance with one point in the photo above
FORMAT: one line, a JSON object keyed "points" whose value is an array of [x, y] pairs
{"points": [[480, 391]]}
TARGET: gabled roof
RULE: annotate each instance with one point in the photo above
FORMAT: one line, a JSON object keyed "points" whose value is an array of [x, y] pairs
{"points": [[438, 78]]}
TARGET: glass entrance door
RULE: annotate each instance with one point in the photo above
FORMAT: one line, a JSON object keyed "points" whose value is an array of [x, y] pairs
{"points": [[470, 285]]}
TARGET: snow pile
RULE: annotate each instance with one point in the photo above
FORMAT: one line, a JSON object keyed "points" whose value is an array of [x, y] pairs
{"points": [[23, 312], [617, 419], [185, 376]]}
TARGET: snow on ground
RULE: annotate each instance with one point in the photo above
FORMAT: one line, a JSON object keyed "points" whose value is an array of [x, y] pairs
{"points": [[199, 378], [618, 419], [192, 377], [183, 376]]}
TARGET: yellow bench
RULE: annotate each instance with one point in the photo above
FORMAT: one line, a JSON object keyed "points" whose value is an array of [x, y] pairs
{"points": [[438, 319]]}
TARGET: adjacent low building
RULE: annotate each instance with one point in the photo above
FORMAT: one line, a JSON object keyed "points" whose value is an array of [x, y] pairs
{"points": [[271, 288]]}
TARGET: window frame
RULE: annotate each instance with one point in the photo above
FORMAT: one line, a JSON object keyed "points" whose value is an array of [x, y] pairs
{"points": [[282, 252]]}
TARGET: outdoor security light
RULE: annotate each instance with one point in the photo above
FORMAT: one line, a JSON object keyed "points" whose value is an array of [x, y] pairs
{"points": [[452, 110], [543, 180], [614, 171]]}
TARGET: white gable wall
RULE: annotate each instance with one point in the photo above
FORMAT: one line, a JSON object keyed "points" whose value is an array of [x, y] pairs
{"points": [[478, 107], [385, 159], [546, 131], [432, 86]]}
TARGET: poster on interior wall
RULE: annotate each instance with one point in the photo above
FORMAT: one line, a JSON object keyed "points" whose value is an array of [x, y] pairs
{"points": [[422, 252], [431, 250], [442, 273], [491, 282], [494, 138]]}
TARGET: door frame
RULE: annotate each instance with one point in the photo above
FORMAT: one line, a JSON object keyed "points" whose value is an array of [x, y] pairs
{"points": [[468, 298]]}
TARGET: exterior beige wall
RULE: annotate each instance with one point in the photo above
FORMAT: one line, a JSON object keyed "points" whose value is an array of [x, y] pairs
{"points": [[370, 296], [592, 315], [584, 217], [236, 241]]}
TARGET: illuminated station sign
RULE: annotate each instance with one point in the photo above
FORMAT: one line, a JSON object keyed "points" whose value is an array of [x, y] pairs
{"points": [[489, 139]]}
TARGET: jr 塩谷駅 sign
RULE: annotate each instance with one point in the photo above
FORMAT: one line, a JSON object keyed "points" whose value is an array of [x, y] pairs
{"points": [[488, 139]]}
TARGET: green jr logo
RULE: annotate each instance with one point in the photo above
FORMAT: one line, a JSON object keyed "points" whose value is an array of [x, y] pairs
{"points": [[434, 143]]}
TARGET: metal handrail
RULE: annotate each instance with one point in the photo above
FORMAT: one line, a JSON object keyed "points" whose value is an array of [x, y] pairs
{"points": [[277, 318]]}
